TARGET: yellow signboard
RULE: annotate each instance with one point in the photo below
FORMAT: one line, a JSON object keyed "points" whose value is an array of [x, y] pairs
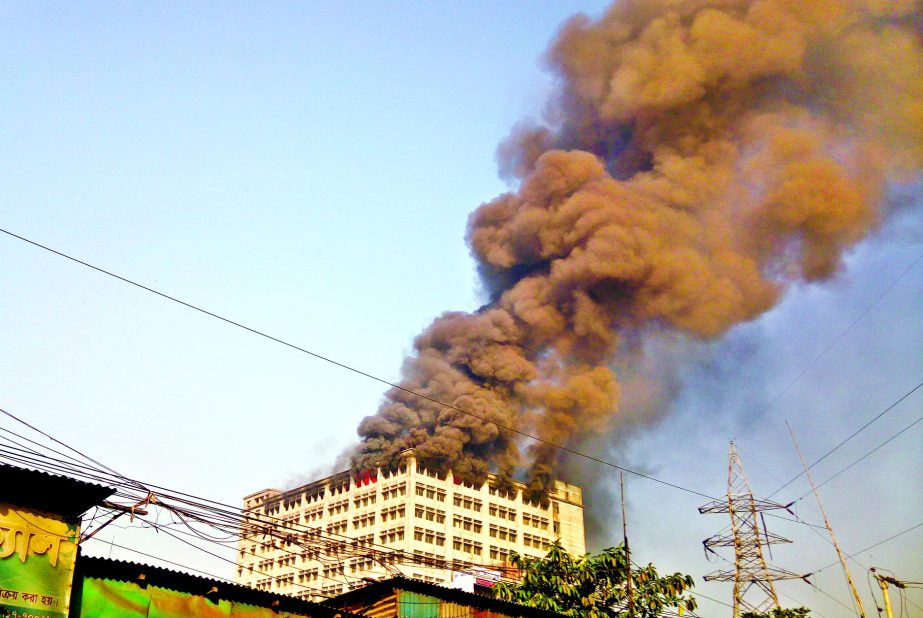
{"points": [[37, 553]]}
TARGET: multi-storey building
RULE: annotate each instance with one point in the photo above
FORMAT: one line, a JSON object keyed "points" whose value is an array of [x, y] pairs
{"points": [[332, 535]]}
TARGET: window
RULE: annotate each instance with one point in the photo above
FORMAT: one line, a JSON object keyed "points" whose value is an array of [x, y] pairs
{"points": [[428, 558], [467, 545], [537, 542], [316, 512], [364, 499], [309, 554], [364, 541], [364, 520], [429, 514], [393, 535], [466, 523], [502, 512], [334, 508], [536, 521], [271, 508], [466, 502], [428, 491], [309, 575], [500, 493], [428, 579], [334, 549], [392, 513], [337, 527], [338, 487], [502, 533], [361, 564], [429, 536], [394, 490]]}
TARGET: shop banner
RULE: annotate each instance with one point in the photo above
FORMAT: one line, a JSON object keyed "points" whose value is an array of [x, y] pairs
{"points": [[37, 554]]}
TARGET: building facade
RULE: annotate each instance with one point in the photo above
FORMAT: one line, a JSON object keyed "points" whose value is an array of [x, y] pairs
{"points": [[338, 533]]}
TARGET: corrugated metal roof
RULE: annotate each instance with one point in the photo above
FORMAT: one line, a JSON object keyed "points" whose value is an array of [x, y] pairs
{"points": [[120, 570], [49, 493], [383, 589], [385, 607]]}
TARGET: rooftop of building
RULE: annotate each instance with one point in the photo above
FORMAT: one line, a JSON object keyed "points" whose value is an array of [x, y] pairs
{"points": [[562, 490]]}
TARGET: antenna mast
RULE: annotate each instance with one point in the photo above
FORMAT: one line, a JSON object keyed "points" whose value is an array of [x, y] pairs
{"points": [[836, 545], [631, 601]]}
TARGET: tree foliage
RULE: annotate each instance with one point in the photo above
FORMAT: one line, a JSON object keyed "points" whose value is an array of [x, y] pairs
{"points": [[594, 586], [798, 612]]}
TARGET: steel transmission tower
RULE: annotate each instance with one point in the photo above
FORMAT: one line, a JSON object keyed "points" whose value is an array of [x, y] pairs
{"points": [[753, 579]]}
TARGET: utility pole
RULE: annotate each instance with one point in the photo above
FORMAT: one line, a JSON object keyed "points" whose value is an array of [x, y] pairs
{"points": [[839, 552], [631, 601], [753, 579], [883, 581], [885, 595]]}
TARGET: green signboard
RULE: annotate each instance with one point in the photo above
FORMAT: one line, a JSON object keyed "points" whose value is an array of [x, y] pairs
{"points": [[104, 598], [37, 553]]}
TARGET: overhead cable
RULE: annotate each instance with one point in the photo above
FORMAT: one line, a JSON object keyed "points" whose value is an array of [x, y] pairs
{"points": [[808, 366], [842, 470], [851, 436], [873, 546], [355, 370], [177, 564]]}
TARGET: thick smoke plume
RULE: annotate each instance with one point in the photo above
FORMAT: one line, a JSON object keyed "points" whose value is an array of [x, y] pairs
{"points": [[699, 157]]}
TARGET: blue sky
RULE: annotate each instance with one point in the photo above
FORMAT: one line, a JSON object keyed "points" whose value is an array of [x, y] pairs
{"points": [[307, 169]]}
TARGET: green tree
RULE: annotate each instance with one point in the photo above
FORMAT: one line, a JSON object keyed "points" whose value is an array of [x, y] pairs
{"points": [[594, 586], [799, 612]]}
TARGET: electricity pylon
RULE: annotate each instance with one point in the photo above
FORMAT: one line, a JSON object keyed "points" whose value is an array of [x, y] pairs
{"points": [[753, 579]]}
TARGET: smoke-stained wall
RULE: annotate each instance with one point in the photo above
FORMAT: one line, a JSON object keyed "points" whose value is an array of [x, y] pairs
{"points": [[697, 158]]}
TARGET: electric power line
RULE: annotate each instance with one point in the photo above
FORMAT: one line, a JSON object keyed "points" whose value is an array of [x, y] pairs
{"points": [[911, 425], [808, 366], [162, 528], [871, 547], [409, 391], [56, 441], [182, 566], [851, 436], [231, 515], [833, 598], [231, 519], [813, 611], [355, 370], [236, 516]]}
